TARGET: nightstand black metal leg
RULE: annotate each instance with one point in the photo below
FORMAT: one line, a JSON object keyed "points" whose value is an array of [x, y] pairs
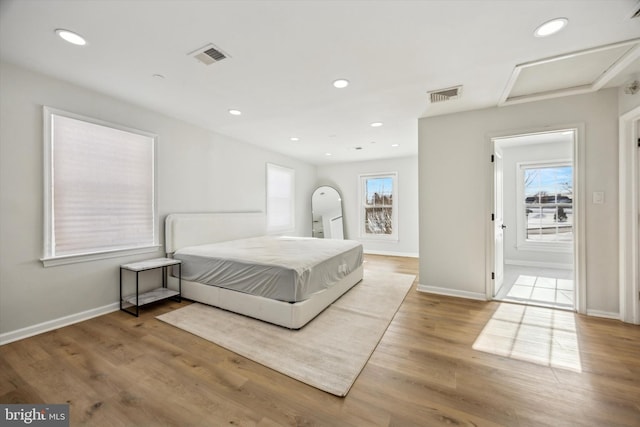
{"points": [[137, 295], [120, 289]]}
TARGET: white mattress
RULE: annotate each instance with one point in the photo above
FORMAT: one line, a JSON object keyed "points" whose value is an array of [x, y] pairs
{"points": [[288, 269]]}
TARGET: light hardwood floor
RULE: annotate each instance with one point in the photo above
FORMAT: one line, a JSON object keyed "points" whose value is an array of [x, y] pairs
{"points": [[117, 370]]}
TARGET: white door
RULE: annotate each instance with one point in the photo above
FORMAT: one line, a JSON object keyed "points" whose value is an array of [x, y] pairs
{"points": [[498, 222]]}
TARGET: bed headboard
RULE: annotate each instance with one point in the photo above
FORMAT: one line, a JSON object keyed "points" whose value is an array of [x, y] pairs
{"points": [[182, 230]]}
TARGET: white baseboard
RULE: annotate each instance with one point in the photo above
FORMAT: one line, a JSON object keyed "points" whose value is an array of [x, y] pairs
{"points": [[391, 253], [603, 314], [451, 292], [50, 325], [538, 264]]}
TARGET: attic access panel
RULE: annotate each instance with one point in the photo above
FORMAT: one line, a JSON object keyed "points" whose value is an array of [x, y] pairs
{"points": [[571, 74]]}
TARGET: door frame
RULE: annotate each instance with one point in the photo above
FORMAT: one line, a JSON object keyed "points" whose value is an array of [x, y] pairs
{"points": [[629, 211], [497, 219], [579, 253]]}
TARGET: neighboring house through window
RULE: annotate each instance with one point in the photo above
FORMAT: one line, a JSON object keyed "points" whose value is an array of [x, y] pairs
{"points": [[379, 206], [546, 205], [99, 189]]}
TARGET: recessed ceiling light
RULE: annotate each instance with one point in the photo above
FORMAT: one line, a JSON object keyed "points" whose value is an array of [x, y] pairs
{"points": [[235, 112], [71, 37], [376, 124], [341, 83], [551, 27], [327, 154], [295, 139], [395, 145]]}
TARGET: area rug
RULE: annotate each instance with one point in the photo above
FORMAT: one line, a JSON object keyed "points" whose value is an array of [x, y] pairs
{"points": [[328, 353]]}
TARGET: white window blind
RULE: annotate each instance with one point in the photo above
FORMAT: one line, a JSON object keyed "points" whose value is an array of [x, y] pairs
{"points": [[280, 198], [100, 187]]}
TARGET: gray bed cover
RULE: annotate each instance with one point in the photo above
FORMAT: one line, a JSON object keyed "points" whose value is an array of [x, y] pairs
{"points": [[289, 269]]}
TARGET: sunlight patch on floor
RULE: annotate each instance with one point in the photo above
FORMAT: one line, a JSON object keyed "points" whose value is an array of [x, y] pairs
{"points": [[533, 334], [543, 290]]}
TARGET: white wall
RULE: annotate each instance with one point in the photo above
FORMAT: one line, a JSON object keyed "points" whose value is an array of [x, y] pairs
{"points": [[454, 196], [345, 178], [195, 168], [511, 157], [627, 102]]}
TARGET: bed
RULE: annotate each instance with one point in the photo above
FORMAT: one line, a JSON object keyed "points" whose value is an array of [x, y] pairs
{"points": [[228, 262]]}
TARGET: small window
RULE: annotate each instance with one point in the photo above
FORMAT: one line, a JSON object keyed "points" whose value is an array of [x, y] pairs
{"points": [[546, 204], [99, 188], [379, 201], [280, 199]]}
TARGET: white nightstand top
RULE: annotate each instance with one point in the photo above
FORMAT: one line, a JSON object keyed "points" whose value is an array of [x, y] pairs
{"points": [[150, 263]]}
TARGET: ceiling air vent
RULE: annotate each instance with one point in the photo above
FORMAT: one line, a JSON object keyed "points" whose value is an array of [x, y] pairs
{"points": [[448, 94], [209, 54]]}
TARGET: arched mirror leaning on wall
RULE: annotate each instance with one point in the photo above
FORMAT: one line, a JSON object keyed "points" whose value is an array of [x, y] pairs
{"points": [[326, 210]]}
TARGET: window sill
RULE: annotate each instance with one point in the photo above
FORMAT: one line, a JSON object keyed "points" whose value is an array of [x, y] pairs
{"points": [[546, 247], [379, 238], [95, 256]]}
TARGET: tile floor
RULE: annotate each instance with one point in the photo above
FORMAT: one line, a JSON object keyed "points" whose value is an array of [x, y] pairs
{"points": [[549, 287]]}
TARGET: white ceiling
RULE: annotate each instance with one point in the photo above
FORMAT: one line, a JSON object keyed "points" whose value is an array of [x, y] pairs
{"points": [[284, 56]]}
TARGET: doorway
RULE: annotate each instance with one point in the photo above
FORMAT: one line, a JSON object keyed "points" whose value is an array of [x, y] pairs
{"points": [[629, 208], [534, 217]]}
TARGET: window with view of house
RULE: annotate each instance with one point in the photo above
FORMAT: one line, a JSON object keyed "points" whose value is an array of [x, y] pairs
{"points": [[379, 206], [546, 203], [99, 188]]}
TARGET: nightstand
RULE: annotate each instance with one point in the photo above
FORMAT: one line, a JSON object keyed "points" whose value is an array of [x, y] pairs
{"points": [[137, 300]]}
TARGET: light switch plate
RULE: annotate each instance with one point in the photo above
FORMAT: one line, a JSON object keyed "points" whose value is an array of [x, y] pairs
{"points": [[598, 197]]}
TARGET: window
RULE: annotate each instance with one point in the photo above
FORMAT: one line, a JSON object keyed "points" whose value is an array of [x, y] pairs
{"points": [[99, 189], [546, 199], [379, 212], [280, 199]]}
